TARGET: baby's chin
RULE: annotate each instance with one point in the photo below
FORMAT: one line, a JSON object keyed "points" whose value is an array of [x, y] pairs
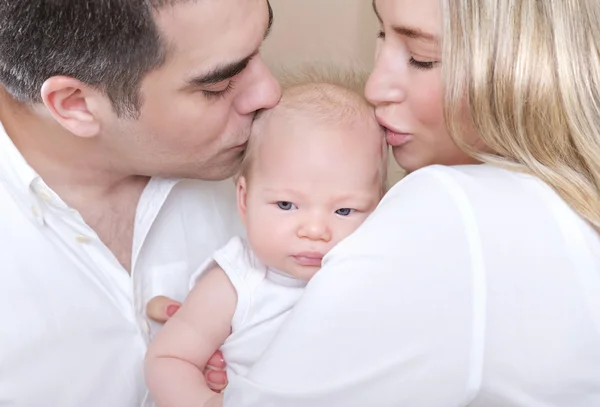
{"points": [[303, 272]]}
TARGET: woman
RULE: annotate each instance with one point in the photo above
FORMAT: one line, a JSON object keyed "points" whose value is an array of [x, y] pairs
{"points": [[471, 285]]}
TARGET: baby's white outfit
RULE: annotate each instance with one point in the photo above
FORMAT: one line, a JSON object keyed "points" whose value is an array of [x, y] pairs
{"points": [[264, 299]]}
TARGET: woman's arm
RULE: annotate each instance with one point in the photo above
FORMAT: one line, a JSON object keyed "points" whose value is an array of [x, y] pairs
{"points": [[391, 319], [176, 359]]}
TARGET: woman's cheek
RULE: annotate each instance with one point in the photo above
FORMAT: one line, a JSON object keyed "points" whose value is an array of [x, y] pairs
{"points": [[429, 102]]}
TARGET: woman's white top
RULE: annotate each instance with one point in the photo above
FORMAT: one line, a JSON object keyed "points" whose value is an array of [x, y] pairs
{"points": [[469, 286]]}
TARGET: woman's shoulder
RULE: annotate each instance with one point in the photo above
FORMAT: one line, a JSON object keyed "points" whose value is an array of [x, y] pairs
{"points": [[471, 186], [469, 216], [471, 179], [470, 203]]}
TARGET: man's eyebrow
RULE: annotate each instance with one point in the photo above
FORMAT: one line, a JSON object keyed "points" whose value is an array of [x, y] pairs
{"points": [[413, 33], [221, 73], [227, 71]]}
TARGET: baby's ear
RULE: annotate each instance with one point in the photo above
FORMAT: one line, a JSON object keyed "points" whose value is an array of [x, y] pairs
{"points": [[241, 197]]}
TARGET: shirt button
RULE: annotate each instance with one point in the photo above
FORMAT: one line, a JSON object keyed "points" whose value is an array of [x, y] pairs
{"points": [[82, 238], [37, 215], [44, 195]]}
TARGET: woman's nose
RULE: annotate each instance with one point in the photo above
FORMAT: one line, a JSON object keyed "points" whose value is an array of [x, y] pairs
{"points": [[385, 82]]}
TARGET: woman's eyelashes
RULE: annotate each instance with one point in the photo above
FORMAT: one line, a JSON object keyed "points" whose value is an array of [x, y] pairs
{"points": [[424, 65]]}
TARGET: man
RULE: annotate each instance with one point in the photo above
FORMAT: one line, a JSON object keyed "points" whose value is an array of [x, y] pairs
{"points": [[109, 109]]}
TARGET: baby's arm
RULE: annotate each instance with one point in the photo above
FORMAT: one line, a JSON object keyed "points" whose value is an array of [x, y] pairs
{"points": [[176, 359]]}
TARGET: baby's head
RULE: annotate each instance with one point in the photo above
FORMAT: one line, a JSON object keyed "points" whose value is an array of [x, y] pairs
{"points": [[315, 168]]}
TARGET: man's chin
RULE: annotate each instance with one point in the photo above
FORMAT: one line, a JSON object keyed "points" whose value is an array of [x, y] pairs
{"points": [[220, 167], [217, 171]]}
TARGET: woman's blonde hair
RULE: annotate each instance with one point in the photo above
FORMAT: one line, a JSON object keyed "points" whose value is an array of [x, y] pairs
{"points": [[527, 73]]}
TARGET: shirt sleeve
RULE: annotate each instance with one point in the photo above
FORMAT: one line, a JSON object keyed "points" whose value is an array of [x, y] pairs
{"points": [[391, 319]]}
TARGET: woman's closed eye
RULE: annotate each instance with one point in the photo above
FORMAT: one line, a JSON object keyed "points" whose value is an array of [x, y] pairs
{"points": [[412, 61], [422, 64], [286, 206]]}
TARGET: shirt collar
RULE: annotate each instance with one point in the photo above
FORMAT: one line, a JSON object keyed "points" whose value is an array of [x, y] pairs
{"points": [[30, 191], [14, 169], [19, 178], [285, 279]]}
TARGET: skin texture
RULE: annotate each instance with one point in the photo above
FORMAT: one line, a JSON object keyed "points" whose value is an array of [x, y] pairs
{"points": [[190, 127], [311, 185], [406, 85]]}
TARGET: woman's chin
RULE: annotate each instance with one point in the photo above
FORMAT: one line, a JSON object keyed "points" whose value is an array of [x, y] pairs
{"points": [[409, 161]]}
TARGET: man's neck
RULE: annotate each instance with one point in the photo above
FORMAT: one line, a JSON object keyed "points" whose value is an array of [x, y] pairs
{"points": [[76, 168]]}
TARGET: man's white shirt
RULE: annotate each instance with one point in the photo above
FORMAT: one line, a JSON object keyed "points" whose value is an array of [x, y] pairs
{"points": [[74, 331]]}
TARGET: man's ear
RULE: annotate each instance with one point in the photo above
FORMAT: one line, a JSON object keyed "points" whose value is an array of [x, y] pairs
{"points": [[73, 105], [241, 189]]}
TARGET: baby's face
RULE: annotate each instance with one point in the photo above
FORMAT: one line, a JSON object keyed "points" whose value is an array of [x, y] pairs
{"points": [[310, 186]]}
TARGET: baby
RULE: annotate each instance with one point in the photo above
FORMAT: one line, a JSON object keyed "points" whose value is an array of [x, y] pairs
{"points": [[314, 170]]}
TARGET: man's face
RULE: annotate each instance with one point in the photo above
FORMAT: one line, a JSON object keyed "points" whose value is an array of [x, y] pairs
{"points": [[198, 107]]}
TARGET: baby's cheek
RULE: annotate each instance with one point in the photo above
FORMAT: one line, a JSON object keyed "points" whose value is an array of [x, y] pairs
{"points": [[266, 242]]}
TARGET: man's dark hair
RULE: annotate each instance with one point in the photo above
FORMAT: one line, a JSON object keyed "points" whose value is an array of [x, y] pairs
{"points": [[107, 44]]}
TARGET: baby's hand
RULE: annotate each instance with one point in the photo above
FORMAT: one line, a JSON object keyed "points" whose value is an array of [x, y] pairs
{"points": [[216, 401]]}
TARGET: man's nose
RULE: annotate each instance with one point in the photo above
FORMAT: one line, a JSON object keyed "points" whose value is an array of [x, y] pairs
{"points": [[263, 90]]}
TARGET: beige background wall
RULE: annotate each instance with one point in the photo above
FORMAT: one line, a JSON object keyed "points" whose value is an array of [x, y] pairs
{"points": [[339, 31], [323, 31]]}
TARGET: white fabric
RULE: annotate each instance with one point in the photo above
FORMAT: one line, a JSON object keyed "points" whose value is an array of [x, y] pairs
{"points": [[469, 286], [73, 330], [265, 297]]}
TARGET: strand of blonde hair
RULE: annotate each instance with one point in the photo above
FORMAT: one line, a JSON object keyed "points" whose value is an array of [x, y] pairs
{"points": [[532, 73]]}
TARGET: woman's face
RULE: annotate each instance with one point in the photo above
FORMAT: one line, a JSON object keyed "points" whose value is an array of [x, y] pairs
{"points": [[406, 84]]}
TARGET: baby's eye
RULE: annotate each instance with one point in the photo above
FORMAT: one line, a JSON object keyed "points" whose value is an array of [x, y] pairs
{"points": [[344, 211], [286, 206]]}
